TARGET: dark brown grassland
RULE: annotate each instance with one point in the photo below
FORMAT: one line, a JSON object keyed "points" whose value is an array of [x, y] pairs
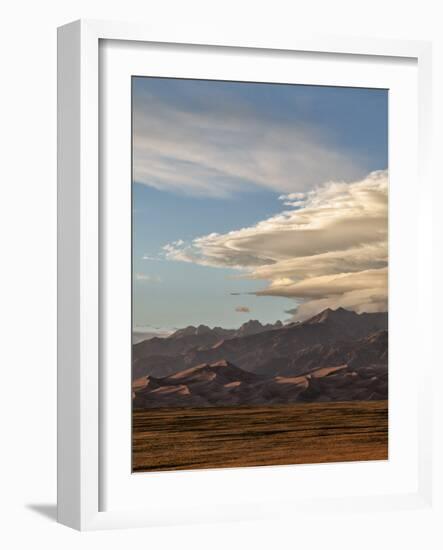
{"points": [[228, 437]]}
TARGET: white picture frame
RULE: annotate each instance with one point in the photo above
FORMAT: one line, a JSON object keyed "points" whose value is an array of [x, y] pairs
{"points": [[81, 409]]}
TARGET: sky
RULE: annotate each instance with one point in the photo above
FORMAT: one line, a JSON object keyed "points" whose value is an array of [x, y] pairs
{"points": [[256, 201]]}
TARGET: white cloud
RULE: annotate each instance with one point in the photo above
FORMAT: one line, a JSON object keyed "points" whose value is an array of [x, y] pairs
{"points": [[329, 249], [143, 277], [220, 151]]}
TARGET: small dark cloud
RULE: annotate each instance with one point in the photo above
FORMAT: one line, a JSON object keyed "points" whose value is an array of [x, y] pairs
{"points": [[242, 309]]}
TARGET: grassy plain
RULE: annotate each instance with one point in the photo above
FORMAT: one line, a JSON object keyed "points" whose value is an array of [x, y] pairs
{"points": [[227, 437]]}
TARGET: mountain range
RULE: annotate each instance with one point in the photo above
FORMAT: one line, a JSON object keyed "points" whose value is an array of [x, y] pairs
{"points": [[337, 355]]}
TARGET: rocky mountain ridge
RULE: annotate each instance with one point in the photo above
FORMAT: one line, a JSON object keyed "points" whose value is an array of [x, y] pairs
{"points": [[335, 355]]}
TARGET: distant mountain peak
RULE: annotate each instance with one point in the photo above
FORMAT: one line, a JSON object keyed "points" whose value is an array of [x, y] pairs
{"points": [[202, 329], [346, 318], [329, 314], [254, 327], [252, 323], [187, 331]]}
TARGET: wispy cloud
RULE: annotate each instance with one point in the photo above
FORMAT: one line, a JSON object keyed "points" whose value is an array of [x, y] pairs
{"points": [[327, 249], [219, 151], [145, 278]]}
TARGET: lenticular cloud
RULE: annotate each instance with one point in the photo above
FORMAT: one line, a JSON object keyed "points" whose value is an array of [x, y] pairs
{"points": [[327, 248]]}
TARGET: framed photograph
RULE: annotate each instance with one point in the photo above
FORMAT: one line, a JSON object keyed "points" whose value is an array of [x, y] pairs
{"points": [[240, 235], [259, 272]]}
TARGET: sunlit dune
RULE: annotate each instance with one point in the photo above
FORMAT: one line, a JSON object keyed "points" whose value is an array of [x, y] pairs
{"points": [[182, 389], [320, 373], [292, 380], [234, 384]]}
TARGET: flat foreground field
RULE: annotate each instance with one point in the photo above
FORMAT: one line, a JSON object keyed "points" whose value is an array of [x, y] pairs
{"points": [[226, 437]]}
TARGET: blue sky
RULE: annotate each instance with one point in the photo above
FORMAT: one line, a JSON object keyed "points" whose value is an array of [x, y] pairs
{"points": [[219, 157]]}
